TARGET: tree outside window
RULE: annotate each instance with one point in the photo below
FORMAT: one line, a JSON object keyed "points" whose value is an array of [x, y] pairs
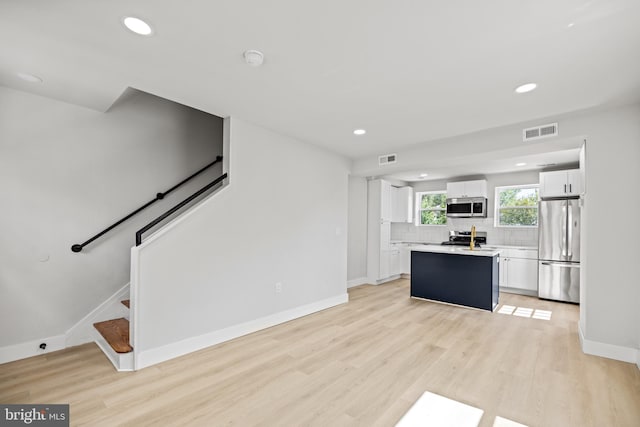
{"points": [[517, 206], [432, 208]]}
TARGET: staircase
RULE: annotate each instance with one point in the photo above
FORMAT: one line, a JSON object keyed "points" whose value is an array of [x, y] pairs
{"points": [[112, 336]]}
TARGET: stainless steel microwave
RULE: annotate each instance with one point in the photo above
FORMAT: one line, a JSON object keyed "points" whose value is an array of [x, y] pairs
{"points": [[467, 207]]}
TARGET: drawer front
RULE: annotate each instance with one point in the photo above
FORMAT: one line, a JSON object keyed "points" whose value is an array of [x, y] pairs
{"points": [[520, 253]]}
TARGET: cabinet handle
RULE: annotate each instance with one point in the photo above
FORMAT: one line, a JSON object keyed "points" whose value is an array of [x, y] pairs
{"points": [[569, 188], [565, 188]]}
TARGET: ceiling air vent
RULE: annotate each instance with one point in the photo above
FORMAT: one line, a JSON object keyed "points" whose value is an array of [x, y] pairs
{"points": [[538, 132], [387, 159]]}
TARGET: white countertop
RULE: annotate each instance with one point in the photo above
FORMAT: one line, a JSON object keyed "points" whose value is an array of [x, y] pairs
{"points": [[457, 250], [483, 245]]}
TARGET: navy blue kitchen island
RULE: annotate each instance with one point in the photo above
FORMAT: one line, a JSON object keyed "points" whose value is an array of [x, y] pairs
{"points": [[456, 276]]}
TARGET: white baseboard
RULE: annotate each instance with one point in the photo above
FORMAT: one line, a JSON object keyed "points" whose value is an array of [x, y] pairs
{"points": [[518, 291], [610, 351], [388, 279], [112, 308], [357, 282], [145, 358], [31, 348]]}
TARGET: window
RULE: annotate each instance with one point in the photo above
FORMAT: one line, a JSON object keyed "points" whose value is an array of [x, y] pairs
{"points": [[517, 206], [432, 208]]}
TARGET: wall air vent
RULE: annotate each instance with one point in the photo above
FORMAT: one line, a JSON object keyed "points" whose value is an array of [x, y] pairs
{"points": [[387, 159], [538, 132]]}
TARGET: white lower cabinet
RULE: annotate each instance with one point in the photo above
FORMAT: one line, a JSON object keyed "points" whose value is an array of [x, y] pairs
{"points": [[522, 274], [385, 264], [405, 260], [519, 270], [394, 262]]}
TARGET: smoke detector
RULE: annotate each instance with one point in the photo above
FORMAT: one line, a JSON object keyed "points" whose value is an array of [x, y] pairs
{"points": [[254, 58]]}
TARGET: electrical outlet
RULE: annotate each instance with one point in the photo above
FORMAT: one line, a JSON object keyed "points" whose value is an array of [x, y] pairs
{"points": [[279, 288]]}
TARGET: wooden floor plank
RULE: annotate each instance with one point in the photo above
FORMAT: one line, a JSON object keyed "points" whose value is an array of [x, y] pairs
{"points": [[362, 363]]}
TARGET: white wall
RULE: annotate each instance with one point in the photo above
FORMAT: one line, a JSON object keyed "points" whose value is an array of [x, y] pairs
{"points": [[357, 230], [612, 312], [282, 218], [66, 172], [495, 235]]}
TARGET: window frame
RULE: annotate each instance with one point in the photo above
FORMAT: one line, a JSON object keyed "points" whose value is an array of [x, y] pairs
{"points": [[419, 210], [497, 207]]}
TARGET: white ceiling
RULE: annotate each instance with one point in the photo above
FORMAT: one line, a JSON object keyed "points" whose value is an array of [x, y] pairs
{"points": [[407, 71], [540, 161]]}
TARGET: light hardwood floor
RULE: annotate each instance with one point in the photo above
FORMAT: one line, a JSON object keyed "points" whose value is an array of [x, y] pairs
{"points": [[363, 363]]}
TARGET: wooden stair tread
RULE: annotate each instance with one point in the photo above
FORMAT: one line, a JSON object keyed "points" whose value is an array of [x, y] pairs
{"points": [[116, 332], [125, 303]]}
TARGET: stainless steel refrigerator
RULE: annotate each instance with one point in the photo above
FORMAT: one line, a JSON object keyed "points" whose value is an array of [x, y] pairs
{"points": [[559, 250]]}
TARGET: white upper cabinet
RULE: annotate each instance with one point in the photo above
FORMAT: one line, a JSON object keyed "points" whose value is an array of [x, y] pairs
{"points": [[402, 204], [574, 179], [477, 188], [583, 162], [561, 183], [553, 184], [386, 199]]}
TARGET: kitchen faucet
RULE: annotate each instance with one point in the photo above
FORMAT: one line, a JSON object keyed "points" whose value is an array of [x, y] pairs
{"points": [[472, 243]]}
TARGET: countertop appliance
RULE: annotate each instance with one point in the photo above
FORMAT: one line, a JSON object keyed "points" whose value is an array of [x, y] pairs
{"points": [[463, 238], [468, 207], [559, 249]]}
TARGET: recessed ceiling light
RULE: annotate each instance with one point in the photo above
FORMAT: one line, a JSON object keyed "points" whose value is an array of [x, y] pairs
{"points": [[254, 58], [528, 87], [571, 24], [521, 164], [359, 132], [424, 175], [137, 25], [29, 77]]}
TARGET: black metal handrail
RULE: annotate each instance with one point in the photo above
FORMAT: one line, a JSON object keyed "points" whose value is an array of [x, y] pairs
{"points": [[159, 196], [177, 207]]}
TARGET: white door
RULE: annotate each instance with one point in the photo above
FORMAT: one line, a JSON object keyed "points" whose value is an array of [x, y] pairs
{"points": [[574, 182], [385, 260], [385, 236], [405, 198], [523, 274], [394, 262], [477, 188], [455, 190], [405, 260], [502, 272], [553, 184], [395, 203], [385, 201]]}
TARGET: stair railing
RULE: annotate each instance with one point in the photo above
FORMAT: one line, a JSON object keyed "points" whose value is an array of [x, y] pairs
{"points": [[159, 196], [177, 207]]}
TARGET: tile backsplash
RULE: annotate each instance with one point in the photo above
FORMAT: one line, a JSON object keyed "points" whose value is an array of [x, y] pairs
{"points": [[510, 236]]}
